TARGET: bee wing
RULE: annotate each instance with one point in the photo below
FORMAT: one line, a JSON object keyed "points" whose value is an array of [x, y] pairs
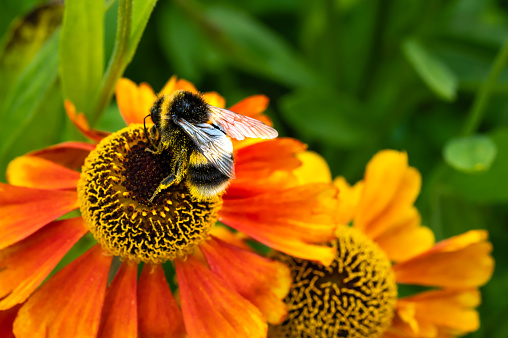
{"points": [[215, 146], [240, 126]]}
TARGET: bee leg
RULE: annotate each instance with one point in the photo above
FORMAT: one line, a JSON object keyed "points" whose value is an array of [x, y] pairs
{"points": [[163, 185]]}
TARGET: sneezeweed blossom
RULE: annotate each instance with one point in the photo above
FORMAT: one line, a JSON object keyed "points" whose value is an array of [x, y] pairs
{"points": [[356, 296], [225, 288]]}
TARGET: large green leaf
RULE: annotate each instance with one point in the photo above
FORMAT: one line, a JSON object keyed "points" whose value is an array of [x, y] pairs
{"points": [[26, 95], [141, 11], [324, 115], [24, 38], [436, 74], [82, 52]]}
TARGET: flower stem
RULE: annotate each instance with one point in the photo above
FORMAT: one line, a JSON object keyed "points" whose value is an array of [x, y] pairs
{"points": [[117, 62], [482, 97]]}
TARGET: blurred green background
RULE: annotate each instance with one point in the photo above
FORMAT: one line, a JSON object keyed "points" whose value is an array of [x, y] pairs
{"points": [[348, 77]]}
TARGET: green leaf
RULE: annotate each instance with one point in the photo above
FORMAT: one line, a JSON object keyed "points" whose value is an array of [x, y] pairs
{"points": [[24, 39], [436, 74], [472, 153], [257, 49], [23, 100], [82, 52], [490, 186], [323, 115]]}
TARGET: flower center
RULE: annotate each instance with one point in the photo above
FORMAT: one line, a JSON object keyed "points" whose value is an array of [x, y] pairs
{"points": [[354, 297], [117, 181]]}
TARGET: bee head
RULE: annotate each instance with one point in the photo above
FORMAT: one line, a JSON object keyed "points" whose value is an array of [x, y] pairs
{"points": [[155, 111], [189, 106]]}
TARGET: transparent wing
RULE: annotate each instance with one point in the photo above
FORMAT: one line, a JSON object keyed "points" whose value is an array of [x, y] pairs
{"points": [[239, 126], [215, 146]]}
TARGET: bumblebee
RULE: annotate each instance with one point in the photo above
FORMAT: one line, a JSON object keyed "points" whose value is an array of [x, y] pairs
{"points": [[198, 135]]}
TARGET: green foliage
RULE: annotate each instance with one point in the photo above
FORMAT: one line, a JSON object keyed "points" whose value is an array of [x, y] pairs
{"points": [[348, 77]]}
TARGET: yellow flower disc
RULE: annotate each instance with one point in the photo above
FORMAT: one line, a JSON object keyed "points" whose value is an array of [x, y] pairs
{"points": [[117, 181], [354, 297]]}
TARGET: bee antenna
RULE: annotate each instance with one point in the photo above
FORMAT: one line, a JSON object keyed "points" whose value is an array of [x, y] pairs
{"points": [[144, 125]]}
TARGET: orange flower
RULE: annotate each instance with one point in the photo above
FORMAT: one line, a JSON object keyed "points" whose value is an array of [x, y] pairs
{"points": [[225, 289], [356, 296]]}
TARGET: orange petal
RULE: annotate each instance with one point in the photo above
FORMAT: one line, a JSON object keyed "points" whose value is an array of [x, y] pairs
{"points": [[158, 313], [169, 87], [313, 169], [211, 309], [119, 314], [214, 99], [36, 172], [25, 265], [236, 238], [134, 101], [261, 281], [408, 239], [263, 158], [7, 318], [460, 261], [447, 310], [69, 304], [251, 106], [349, 197], [291, 221], [406, 325], [79, 120], [23, 211], [389, 187], [185, 85], [68, 154]]}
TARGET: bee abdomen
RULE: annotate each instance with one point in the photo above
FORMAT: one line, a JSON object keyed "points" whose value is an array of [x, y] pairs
{"points": [[206, 181]]}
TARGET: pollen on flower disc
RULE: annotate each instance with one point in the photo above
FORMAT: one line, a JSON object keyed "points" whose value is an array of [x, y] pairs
{"points": [[117, 181], [354, 297]]}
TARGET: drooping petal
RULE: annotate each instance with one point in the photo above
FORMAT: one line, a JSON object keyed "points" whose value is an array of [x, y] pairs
{"points": [[406, 239], [405, 325], [25, 265], [251, 106], [211, 309], [292, 221], [7, 318], [235, 238], [445, 310], [158, 313], [80, 121], [349, 197], [214, 99], [134, 101], [261, 281], [460, 261], [68, 154], [36, 172], [69, 304], [314, 168], [23, 211], [389, 187], [119, 314]]}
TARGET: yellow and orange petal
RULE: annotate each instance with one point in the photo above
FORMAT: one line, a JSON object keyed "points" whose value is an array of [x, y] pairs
{"points": [[259, 280], [119, 313], [80, 121], [293, 220], [158, 312], [438, 313], [23, 211], [7, 318], [69, 304], [313, 169], [211, 309], [134, 101], [349, 197], [460, 261], [37, 172], [25, 264]]}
